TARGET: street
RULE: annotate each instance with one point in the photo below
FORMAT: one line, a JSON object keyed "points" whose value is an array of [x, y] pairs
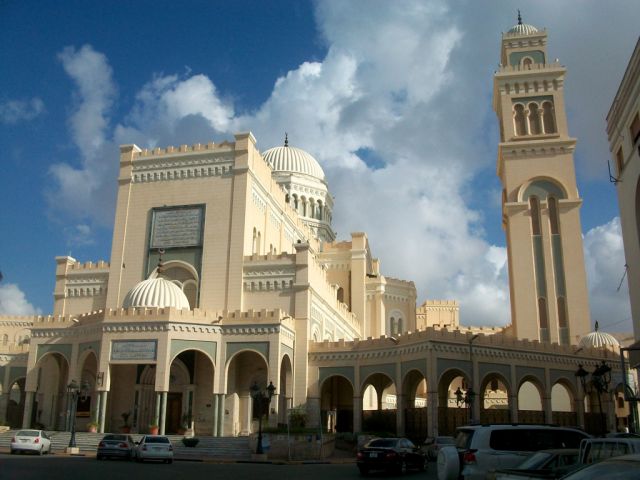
{"points": [[58, 467]]}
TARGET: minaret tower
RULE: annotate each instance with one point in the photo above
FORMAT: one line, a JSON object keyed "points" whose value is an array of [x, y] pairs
{"points": [[540, 200]]}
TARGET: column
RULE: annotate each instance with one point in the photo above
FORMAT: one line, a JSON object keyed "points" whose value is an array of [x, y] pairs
{"points": [[578, 402], [513, 407], [273, 411], [214, 430], [163, 411], [28, 406], [548, 411], [357, 414], [156, 417], [221, 413], [475, 407], [103, 410], [400, 424]]}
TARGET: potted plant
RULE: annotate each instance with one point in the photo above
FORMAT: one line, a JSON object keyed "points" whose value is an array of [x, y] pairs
{"points": [[153, 429], [92, 427], [126, 428], [190, 441]]}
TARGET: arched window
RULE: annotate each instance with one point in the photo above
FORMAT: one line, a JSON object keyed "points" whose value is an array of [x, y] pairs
{"points": [[534, 206], [287, 199], [527, 63], [254, 242], [319, 217], [553, 216], [5, 339], [534, 119], [543, 319], [340, 294], [259, 244], [519, 120], [548, 118], [295, 202]]}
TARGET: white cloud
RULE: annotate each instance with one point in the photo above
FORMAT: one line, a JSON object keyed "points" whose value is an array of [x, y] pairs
{"points": [[14, 111], [14, 302], [605, 263]]}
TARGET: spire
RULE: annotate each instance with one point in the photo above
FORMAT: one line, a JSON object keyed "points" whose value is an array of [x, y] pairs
{"points": [[286, 139], [519, 18], [160, 264]]}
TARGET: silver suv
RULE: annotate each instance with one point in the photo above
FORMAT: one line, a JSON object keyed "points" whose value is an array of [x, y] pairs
{"points": [[482, 449]]}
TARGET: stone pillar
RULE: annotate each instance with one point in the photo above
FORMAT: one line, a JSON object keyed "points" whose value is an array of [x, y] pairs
{"points": [[579, 409], [357, 414], [273, 410], [163, 412], [400, 417], [513, 407], [156, 418], [103, 410], [313, 412], [28, 406], [216, 406], [221, 413], [548, 411]]}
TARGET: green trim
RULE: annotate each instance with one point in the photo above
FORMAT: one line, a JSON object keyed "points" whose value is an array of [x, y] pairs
{"points": [[327, 372], [420, 365], [15, 373], [558, 265], [485, 369], [235, 347], [543, 189], [179, 346], [95, 346], [516, 57], [389, 369], [63, 349], [445, 364], [538, 260], [536, 372]]}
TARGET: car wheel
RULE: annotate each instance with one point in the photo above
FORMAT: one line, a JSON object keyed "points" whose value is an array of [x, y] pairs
{"points": [[364, 471]]}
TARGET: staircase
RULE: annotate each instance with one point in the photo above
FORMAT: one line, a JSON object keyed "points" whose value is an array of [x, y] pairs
{"points": [[208, 448]]}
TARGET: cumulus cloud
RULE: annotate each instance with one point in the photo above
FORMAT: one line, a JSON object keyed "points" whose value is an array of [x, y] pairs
{"points": [[13, 301], [605, 263], [86, 190], [15, 111]]}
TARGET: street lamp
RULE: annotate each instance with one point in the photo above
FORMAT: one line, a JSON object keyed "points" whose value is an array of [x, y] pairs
{"points": [[75, 391], [600, 380], [261, 401], [470, 393]]}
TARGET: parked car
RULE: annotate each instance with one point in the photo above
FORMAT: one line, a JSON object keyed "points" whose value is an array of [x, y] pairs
{"points": [[433, 444], [36, 441], [550, 464], [390, 454], [594, 450], [116, 446], [480, 450], [154, 447], [626, 467]]}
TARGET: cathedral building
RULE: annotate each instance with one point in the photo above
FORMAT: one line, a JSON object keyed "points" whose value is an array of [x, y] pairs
{"points": [[225, 273]]}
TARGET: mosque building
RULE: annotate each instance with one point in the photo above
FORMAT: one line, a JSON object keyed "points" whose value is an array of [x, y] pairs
{"points": [[225, 272]]}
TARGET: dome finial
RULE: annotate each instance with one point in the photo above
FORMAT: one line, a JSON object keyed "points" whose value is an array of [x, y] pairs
{"points": [[597, 326], [519, 18], [160, 264], [286, 139]]}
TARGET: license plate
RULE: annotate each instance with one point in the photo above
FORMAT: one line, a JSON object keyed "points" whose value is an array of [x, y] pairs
{"points": [[22, 440], [158, 448], [373, 455]]}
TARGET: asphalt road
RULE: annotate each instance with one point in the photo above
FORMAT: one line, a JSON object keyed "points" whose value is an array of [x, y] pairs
{"points": [[54, 467]]}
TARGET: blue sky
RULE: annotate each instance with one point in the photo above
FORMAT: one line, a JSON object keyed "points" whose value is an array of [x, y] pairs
{"points": [[393, 98]]}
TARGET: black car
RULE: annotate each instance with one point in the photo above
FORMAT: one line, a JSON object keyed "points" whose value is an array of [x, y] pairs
{"points": [[116, 445], [390, 454]]}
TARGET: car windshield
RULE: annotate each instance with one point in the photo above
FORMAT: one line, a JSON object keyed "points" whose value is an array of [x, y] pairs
{"points": [[535, 461], [446, 440], [118, 438], [611, 470], [383, 442], [28, 433], [156, 440]]}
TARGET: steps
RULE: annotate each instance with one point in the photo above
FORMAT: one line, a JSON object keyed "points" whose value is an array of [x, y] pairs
{"points": [[208, 448]]}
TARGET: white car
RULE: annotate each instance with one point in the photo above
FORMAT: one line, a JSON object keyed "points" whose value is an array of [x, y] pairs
{"points": [[36, 441], [154, 447]]}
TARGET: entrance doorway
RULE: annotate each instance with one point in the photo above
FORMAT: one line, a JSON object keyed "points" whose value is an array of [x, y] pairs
{"points": [[174, 410]]}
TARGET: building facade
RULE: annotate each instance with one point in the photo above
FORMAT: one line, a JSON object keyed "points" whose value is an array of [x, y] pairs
{"points": [[225, 273]]}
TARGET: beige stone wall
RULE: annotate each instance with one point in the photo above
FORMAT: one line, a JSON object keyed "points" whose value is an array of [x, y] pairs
{"points": [[438, 313]]}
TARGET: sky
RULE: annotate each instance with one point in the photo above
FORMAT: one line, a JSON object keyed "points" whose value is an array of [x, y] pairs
{"points": [[393, 98]]}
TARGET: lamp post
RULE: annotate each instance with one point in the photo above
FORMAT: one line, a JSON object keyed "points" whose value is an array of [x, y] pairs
{"points": [[75, 391], [600, 380], [470, 393], [261, 401]]}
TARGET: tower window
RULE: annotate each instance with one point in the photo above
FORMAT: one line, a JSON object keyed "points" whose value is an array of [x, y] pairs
{"points": [[553, 216], [534, 119], [534, 205], [520, 120], [548, 118], [527, 63]]}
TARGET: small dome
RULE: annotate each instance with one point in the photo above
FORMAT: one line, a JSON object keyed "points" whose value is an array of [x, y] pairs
{"points": [[156, 292], [598, 339], [522, 29], [294, 160]]}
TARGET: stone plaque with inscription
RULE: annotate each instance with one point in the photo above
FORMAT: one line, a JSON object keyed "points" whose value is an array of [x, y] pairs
{"points": [[179, 227], [134, 350]]}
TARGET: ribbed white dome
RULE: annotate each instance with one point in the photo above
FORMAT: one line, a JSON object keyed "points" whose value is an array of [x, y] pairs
{"points": [[598, 340], [292, 159], [156, 292], [522, 29]]}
